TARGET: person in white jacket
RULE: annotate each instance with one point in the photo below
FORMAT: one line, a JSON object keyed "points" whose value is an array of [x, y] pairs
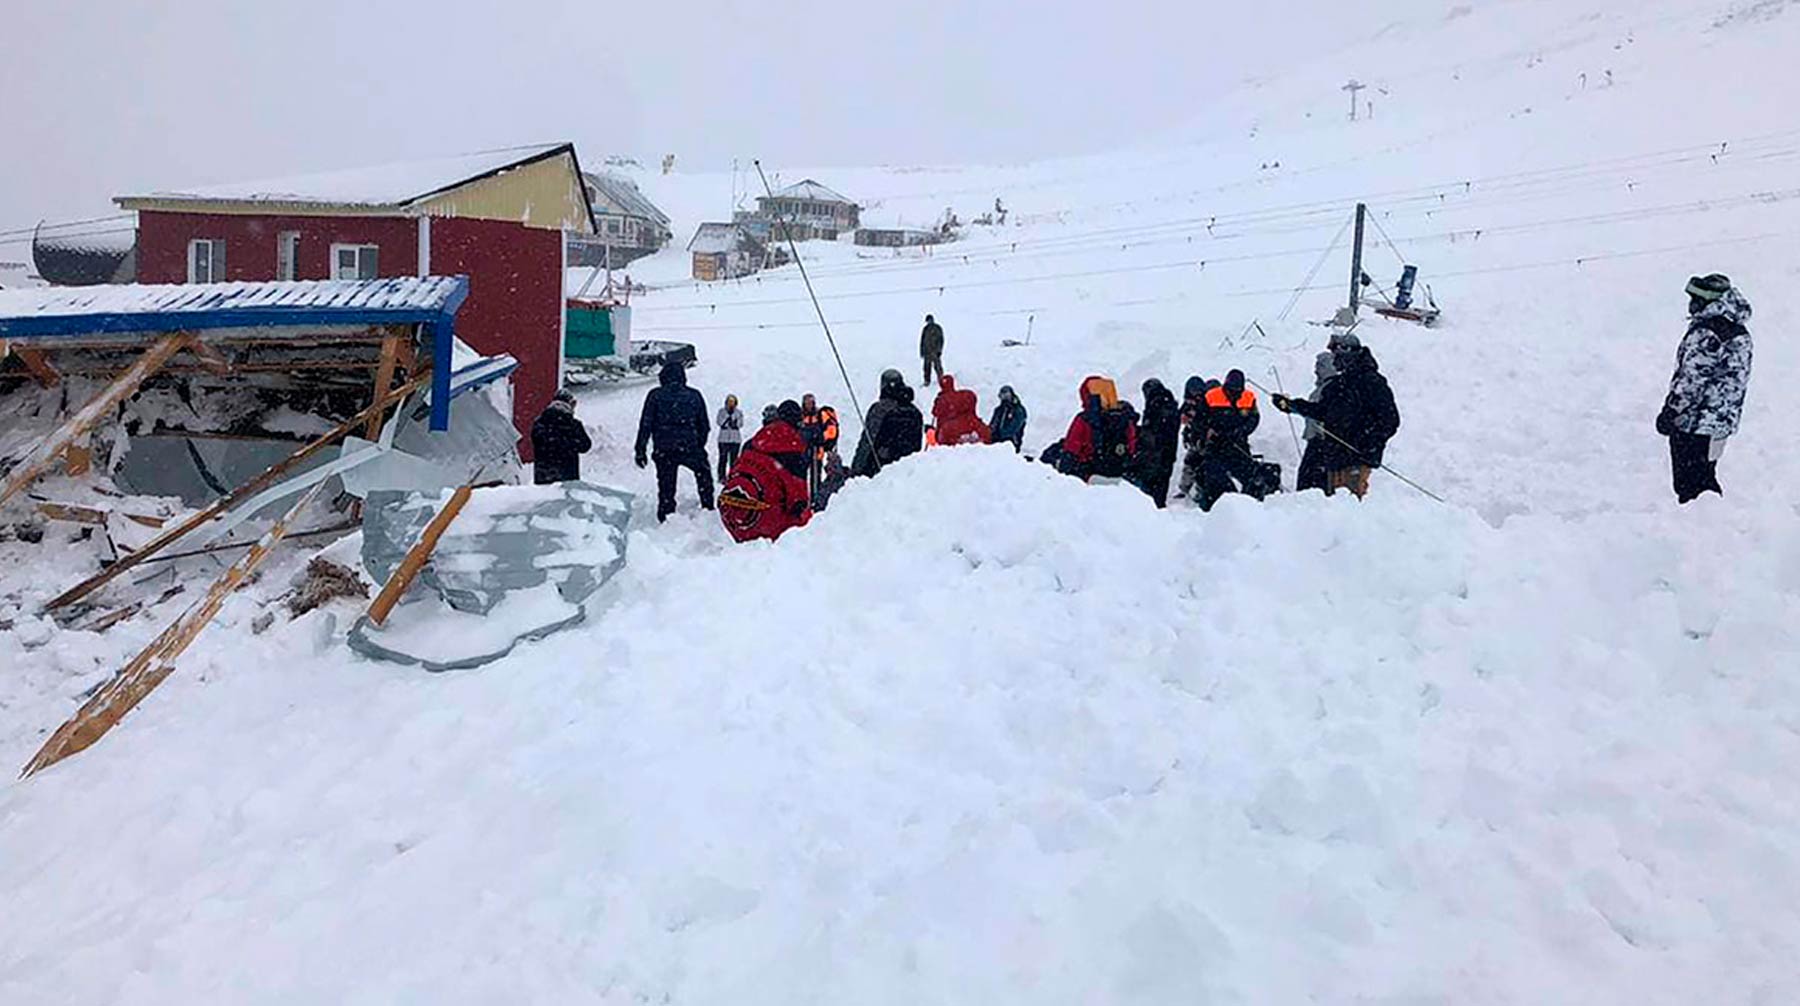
{"points": [[730, 422]]}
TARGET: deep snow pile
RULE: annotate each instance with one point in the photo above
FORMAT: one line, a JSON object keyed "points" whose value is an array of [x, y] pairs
{"points": [[985, 734]]}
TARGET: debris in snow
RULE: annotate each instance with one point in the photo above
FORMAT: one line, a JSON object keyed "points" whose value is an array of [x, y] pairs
{"points": [[323, 581]]}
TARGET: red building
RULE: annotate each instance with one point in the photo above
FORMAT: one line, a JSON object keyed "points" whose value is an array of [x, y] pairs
{"points": [[498, 217]]}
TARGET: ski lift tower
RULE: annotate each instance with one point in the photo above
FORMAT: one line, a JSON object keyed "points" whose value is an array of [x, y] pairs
{"points": [[1353, 87]]}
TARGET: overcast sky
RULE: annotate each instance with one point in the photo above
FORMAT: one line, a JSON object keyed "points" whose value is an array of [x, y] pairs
{"points": [[107, 96]]}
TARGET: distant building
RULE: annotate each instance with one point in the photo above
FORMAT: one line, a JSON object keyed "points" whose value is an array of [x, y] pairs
{"points": [[627, 225], [809, 211], [66, 257], [897, 237], [725, 251], [498, 217]]}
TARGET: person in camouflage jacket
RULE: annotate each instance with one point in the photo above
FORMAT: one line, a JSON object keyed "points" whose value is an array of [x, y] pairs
{"points": [[1706, 394]]}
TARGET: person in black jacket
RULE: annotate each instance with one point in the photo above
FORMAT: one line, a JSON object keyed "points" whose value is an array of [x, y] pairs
{"points": [[558, 440], [1008, 424], [893, 429], [675, 418], [1159, 436], [1356, 416]]}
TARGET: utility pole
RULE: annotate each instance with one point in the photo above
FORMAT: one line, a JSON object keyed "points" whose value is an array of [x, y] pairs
{"points": [[1353, 87], [1356, 270]]}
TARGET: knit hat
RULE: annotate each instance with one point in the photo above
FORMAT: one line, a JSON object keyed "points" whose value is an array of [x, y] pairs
{"points": [[1342, 342], [1195, 387], [1708, 288], [563, 395], [789, 412]]}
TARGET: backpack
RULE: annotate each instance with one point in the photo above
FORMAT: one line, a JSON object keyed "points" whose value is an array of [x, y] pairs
{"points": [[1112, 441]]}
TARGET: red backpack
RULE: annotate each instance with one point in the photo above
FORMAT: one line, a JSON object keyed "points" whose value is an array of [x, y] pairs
{"points": [[763, 499]]}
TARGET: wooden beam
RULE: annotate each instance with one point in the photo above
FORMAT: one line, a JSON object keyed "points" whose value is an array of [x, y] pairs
{"points": [[41, 457], [235, 497], [415, 557], [155, 663], [42, 370], [210, 357], [384, 379]]}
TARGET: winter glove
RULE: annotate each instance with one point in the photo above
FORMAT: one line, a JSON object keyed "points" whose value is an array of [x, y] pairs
{"points": [[642, 461], [1282, 403], [1665, 422]]}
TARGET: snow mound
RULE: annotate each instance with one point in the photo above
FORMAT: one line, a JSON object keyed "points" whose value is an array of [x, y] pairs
{"points": [[982, 733]]}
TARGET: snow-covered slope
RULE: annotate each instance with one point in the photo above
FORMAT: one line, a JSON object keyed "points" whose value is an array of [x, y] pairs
{"points": [[982, 734]]}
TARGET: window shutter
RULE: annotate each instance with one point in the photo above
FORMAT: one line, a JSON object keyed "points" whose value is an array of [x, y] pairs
{"points": [[218, 261], [366, 267]]}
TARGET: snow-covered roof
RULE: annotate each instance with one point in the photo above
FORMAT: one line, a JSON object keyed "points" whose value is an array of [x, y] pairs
{"points": [[812, 190], [712, 239], [623, 193], [385, 185], [113, 308]]}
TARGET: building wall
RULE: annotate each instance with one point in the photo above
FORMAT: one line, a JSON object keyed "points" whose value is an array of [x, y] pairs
{"points": [[250, 243], [515, 275], [515, 302], [545, 194]]}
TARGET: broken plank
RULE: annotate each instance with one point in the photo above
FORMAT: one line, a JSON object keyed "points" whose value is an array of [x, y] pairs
{"points": [[210, 357], [42, 370], [157, 661], [41, 457], [416, 556], [384, 379], [236, 496]]}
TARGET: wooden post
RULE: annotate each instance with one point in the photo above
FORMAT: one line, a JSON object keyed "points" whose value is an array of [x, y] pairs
{"points": [[152, 666], [88, 416], [42, 370], [235, 497], [415, 557], [384, 379]]}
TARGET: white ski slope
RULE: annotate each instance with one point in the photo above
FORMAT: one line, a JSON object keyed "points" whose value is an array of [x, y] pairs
{"points": [[983, 734]]}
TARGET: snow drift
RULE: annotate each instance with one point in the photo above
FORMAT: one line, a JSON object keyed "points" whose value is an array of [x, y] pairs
{"points": [[1038, 741]]}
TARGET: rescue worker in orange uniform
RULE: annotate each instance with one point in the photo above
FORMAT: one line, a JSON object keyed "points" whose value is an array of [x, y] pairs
{"points": [[819, 425], [1223, 462]]}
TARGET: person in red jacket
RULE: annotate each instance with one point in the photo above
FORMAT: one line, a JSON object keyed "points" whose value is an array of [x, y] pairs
{"points": [[957, 415], [767, 495], [1102, 438]]}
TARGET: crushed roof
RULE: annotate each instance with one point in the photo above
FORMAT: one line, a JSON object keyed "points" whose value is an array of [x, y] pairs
{"points": [[401, 294]]}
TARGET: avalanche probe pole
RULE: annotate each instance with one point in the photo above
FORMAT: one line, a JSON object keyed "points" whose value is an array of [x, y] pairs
{"points": [[1298, 452], [1353, 449], [793, 249]]}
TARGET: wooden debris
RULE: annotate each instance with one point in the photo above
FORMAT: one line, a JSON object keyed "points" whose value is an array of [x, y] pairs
{"points": [[39, 366], [151, 667], [118, 615], [384, 379], [82, 513], [415, 557], [41, 457], [210, 357], [236, 496]]}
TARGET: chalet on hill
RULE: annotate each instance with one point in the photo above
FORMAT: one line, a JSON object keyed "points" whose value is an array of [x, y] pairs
{"points": [[498, 217], [808, 210], [725, 251], [628, 226]]}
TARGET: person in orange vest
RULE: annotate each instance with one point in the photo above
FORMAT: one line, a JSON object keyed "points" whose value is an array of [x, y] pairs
{"points": [[819, 425], [1223, 464]]}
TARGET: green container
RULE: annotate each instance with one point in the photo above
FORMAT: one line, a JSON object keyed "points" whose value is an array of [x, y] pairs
{"points": [[590, 332]]}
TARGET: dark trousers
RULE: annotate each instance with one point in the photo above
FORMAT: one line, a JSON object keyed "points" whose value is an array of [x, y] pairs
{"points": [[728, 455], [1694, 473], [932, 363], [670, 465], [1312, 468], [1153, 478], [1224, 468]]}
